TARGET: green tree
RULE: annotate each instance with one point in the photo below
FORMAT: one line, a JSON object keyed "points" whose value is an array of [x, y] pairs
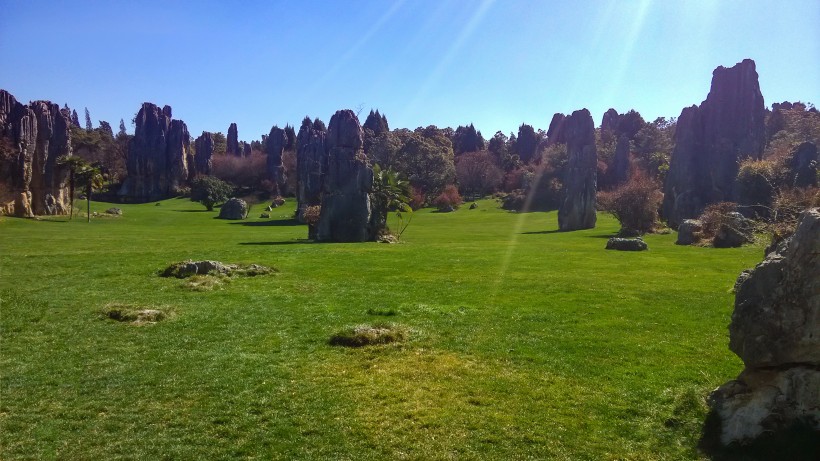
{"points": [[84, 175], [426, 159], [390, 193], [88, 125], [209, 191]]}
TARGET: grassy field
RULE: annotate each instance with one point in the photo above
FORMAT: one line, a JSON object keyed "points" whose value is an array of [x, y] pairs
{"points": [[524, 343]]}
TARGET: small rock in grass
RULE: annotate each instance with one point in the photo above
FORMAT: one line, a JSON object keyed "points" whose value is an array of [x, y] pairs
{"points": [[368, 335], [621, 244], [114, 211]]}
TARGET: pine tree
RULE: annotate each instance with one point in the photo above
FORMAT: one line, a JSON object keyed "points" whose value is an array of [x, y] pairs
{"points": [[88, 125], [122, 128], [74, 119]]}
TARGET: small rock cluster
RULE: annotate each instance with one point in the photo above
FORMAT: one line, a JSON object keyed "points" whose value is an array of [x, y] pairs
{"points": [[190, 268], [626, 244]]}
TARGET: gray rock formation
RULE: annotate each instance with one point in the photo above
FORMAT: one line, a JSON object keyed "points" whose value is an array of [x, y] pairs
{"points": [[555, 133], [277, 139], [775, 330], [689, 232], [246, 149], [33, 138], [311, 163], [157, 163], [624, 244], [233, 141], [345, 213], [711, 139], [577, 209], [620, 161], [204, 146], [234, 208], [734, 232], [803, 165], [609, 122]]}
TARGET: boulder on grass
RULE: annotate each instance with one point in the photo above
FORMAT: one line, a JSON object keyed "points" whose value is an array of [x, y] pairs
{"points": [[114, 211], [235, 208], [689, 232], [622, 244], [775, 330]]}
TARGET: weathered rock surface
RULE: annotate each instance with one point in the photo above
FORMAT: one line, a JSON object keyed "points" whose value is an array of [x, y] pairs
{"points": [[775, 330], [689, 232], [735, 232], [577, 209], [624, 244], [189, 268], [311, 163], [555, 133], [157, 163], [711, 139], [609, 122], [275, 146], [232, 147], [33, 138], [345, 214], [234, 208], [204, 146], [114, 211], [803, 165]]}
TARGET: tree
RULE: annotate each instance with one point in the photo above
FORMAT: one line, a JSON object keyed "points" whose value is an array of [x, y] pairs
{"points": [[390, 193], [75, 120], [477, 173], [88, 125], [122, 129], [498, 146], [467, 139], [220, 143], [426, 159], [634, 204], [84, 175], [527, 143], [209, 191]]}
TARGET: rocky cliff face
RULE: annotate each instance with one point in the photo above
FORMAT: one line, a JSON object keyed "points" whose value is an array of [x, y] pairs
{"points": [[157, 161], [775, 330], [275, 145], [345, 214], [33, 137], [204, 146], [710, 140], [577, 209], [311, 163], [620, 161], [803, 166], [609, 122], [555, 133], [233, 141]]}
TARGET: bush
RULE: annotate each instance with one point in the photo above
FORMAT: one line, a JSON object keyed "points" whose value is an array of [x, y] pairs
{"points": [[787, 206], [634, 204], [417, 198], [209, 191], [755, 184], [715, 216], [246, 172], [448, 199]]}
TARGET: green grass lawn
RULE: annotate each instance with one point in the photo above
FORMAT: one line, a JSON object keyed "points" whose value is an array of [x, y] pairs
{"points": [[523, 343]]}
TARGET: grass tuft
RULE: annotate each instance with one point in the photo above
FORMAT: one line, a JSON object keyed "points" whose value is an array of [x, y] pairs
{"points": [[368, 335], [382, 312], [204, 282]]}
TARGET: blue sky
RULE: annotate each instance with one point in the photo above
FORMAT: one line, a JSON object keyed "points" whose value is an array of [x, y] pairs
{"points": [[496, 64]]}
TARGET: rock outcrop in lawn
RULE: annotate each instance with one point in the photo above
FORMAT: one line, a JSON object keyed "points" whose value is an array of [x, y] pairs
{"points": [[775, 330], [234, 208], [345, 213], [711, 139], [626, 244], [157, 163], [191, 268], [33, 137], [311, 162], [577, 209]]}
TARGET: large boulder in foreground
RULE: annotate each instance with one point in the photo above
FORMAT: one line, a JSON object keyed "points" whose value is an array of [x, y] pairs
{"points": [[577, 209], [234, 208], [775, 330], [711, 140], [345, 214]]}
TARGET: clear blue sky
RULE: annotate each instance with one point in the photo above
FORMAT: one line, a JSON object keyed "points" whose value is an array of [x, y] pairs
{"points": [[444, 62]]}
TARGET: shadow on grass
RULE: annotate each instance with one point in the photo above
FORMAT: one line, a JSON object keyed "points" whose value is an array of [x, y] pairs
{"points": [[277, 223], [602, 236], [554, 231], [193, 211], [800, 442], [286, 242]]}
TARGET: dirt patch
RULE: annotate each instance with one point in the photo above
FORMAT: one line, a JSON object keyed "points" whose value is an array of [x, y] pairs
{"points": [[135, 315], [368, 335]]}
